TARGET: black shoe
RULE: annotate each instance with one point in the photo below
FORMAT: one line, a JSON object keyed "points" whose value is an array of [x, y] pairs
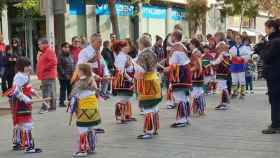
{"points": [[271, 130], [99, 130], [221, 107], [17, 147], [178, 125], [33, 150], [242, 97]]}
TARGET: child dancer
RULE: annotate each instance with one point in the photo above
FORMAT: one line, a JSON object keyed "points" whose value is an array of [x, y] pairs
{"points": [[148, 87], [123, 81], [198, 102], [208, 70], [222, 63], [180, 79], [240, 54], [84, 104], [21, 106]]}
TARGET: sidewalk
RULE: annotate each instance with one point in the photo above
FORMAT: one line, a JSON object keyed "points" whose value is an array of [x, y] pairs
{"points": [[235, 133]]}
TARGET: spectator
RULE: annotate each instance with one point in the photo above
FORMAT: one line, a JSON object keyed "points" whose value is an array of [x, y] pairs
{"points": [[65, 69], [9, 73], [2, 61], [271, 58], [158, 48], [16, 48], [230, 38], [113, 38], [208, 36], [76, 48], [47, 73], [249, 73], [108, 56], [133, 53]]}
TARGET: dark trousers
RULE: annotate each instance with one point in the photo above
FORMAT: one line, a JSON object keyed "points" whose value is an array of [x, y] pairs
{"points": [[65, 89], [229, 84], [249, 83], [7, 82], [274, 100]]}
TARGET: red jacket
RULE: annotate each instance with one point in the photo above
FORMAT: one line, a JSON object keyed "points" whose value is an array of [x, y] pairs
{"points": [[75, 53], [47, 65]]}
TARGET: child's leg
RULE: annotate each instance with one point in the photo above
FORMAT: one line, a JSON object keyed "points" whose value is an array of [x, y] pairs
{"points": [[247, 83], [151, 123], [234, 89], [82, 149], [183, 109], [251, 83], [27, 139], [241, 79], [91, 139]]}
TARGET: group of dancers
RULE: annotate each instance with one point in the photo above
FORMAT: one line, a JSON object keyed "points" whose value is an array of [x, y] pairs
{"points": [[189, 70]]}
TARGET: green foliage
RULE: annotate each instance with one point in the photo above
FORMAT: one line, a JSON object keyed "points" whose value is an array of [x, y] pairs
{"points": [[196, 12], [31, 6], [249, 8], [2, 5]]}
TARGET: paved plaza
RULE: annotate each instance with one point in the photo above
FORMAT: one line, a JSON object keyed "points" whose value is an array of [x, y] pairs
{"points": [[235, 133]]}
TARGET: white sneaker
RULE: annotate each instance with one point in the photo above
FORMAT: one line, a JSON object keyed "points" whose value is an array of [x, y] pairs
{"points": [[80, 154]]}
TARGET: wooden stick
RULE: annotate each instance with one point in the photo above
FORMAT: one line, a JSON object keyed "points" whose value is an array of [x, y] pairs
{"points": [[161, 66], [41, 100]]}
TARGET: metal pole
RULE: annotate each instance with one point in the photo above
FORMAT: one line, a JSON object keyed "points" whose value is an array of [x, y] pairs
{"points": [[50, 23]]}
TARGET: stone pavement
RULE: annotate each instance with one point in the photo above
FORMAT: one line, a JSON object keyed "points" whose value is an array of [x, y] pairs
{"points": [[220, 134]]}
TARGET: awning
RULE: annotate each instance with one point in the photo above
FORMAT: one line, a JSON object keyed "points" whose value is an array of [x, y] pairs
{"points": [[250, 32]]}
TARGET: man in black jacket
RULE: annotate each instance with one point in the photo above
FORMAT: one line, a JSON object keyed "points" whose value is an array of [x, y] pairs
{"points": [[271, 58]]}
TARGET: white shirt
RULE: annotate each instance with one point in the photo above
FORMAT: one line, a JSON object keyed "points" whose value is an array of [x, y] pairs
{"points": [[86, 54], [179, 58], [19, 81], [245, 52], [120, 61]]}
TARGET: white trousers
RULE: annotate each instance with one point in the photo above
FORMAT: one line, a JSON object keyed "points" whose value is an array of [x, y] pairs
{"points": [[238, 78]]}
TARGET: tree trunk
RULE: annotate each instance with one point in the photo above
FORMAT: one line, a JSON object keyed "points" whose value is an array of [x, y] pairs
{"points": [[114, 18]]}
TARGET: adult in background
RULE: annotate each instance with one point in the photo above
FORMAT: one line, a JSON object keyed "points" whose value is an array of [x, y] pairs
{"points": [[47, 73], [76, 48], [10, 68], [65, 69], [16, 48], [13, 52], [230, 38], [271, 58], [133, 52], [158, 48], [108, 56], [2, 57]]}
